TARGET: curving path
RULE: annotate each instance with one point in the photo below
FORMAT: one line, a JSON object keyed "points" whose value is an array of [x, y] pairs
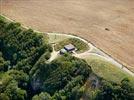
{"points": [[85, 54], [54, 54]]}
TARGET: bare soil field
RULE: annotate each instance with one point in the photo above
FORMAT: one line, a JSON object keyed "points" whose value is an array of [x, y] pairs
{"points": [[85, 18]]}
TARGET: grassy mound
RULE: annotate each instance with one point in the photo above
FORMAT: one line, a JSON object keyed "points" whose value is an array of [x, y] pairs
{"points": [[80, 45]]}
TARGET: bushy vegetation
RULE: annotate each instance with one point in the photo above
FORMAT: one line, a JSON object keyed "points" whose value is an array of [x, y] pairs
{"points": [[107, 70], [21, 47], [61, 75], [26, 74], [79, 44], [3, 64], [110, 91]]}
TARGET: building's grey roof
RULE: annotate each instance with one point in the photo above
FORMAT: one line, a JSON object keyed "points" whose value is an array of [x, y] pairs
{"points": [[69, 47]]}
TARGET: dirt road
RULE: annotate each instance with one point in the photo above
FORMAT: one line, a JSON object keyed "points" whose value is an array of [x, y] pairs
{"points": [[92, 51], [86, 18]]}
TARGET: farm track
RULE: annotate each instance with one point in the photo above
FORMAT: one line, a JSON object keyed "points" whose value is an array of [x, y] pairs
{"points": [[85, 18], [89, 52]]}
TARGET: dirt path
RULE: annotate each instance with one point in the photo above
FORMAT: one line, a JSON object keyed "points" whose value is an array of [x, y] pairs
{"points": [[112, 61], [90, 52], [54, 55]]}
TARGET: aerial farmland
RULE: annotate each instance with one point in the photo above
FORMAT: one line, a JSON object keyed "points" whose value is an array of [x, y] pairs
{"points": [[89, 19], [66, 49]]}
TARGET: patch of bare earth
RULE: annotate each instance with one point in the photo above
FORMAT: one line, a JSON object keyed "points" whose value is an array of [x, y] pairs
{"points": [[85, 18]]}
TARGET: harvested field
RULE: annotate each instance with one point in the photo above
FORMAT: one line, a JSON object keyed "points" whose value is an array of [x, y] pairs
{"points": [[109, 24]]}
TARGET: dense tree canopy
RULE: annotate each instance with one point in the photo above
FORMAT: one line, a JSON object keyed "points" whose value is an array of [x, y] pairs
{"points": [[111, 91], [62, 73], [19, 50], [12, 85], [22, 47], [4, 65]]}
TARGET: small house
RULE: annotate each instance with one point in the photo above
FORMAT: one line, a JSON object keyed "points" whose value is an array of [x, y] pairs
{"points": [[69, 47]]}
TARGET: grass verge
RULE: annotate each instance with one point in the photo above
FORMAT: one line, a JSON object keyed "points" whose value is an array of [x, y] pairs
{"points": [[107, 70], [54, 38]]}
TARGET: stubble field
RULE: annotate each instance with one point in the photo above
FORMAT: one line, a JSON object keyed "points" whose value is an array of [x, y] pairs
{"points": [[85, 18]]}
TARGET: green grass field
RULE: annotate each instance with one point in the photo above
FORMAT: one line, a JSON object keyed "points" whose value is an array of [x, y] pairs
{"points": [[1, 17], [79, 44], [54, 38], [107, 70]]}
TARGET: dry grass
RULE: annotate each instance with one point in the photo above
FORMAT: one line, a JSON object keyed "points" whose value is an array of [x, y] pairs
{"points": [[53, 38], [86, 18], [107, 70]]}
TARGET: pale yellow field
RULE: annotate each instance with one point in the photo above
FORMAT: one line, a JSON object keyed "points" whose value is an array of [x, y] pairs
{"points": [[85, 18]]}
